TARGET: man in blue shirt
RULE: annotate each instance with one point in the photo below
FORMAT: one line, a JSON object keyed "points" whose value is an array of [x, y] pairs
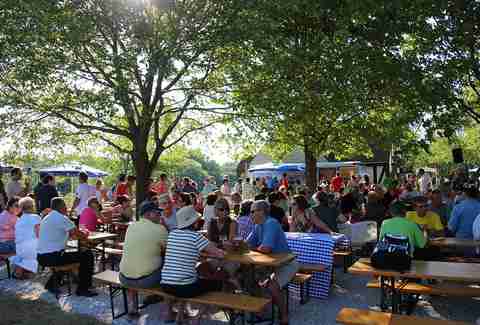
{"points": [[464, 214], [269, 238]]}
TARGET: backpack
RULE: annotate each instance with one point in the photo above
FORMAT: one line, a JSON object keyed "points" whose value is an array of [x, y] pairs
{"points": [[392, 253]]}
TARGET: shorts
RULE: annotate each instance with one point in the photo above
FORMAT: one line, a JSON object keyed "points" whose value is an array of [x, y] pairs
{"points": [[144, 282], [285, 273], [197, 288]]}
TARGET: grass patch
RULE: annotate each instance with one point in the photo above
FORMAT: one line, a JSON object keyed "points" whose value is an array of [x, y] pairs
{"points": [[15, 310]]}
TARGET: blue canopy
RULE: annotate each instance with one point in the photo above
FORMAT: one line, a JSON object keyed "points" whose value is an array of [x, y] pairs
{"points": [[71, 170], [291, 168]]}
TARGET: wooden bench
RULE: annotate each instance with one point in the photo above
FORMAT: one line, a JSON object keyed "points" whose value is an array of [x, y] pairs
{"points": [[463, 259], [350, 316], [224, 300], [5, 258], [64, 270], [302, 280], [442, 289], [310, 268], [347, 258]]}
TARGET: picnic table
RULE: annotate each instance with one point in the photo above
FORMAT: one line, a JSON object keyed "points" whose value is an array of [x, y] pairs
{"points": [[443, 242], [425, 270], [259, 259], [311, 248]]}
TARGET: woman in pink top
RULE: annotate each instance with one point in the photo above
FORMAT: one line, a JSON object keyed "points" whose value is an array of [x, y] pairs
{"points": [[8, 219], [89, 215]]}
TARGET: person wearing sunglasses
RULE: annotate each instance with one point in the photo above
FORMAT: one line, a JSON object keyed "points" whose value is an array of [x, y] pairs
{"points": [[428, 221], [222, 227]]}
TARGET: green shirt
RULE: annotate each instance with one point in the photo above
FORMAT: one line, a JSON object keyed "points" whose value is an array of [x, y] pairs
{"points": [[401, 226], [142, 250]]}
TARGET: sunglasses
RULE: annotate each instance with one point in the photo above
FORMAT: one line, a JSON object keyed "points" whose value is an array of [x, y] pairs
{"points": [[220, 209]]}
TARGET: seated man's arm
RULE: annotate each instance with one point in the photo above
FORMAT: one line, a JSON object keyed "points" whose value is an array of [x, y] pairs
{"points": [[420, 241], [454, 220], [270, 232], [76, 234], [476, 228]]}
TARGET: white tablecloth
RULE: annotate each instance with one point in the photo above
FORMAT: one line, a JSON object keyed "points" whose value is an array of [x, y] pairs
{"points": [[313, 249]]}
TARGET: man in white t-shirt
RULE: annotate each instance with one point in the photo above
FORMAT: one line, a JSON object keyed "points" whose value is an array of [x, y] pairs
{"points": [[55, 230], [424, 182], [82, 194]]}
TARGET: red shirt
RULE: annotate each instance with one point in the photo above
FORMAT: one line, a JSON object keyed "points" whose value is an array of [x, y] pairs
{"points": [[160, 187], [122, 189], [284, 182], [337, 183]]}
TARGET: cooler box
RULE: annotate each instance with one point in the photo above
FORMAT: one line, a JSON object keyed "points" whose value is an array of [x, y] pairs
{"points": [[359, 233]]}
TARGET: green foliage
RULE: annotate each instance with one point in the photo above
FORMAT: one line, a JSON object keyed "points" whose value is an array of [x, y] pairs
{"points": [[440, 151], [134, 75], [182, 161], [325, 76]]}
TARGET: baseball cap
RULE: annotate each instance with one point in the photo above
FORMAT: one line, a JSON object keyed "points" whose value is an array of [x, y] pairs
{"points": [[398, 208], [149, 206]]}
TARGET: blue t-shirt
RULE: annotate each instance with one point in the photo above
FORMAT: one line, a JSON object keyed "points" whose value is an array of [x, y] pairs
{"points": [[463, 216], [269, 234]]}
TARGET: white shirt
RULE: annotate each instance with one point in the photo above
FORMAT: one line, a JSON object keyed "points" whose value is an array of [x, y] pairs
{"points": [[25, 227], [54, 233], [424, 183], [476, 228], [208, 214], [84, 192], [238, 188]]}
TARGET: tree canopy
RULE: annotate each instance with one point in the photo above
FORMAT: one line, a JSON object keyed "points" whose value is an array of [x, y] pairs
{"points": [[113, 69]]}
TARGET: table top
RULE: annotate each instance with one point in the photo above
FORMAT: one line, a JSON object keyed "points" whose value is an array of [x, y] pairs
{"points": [[351, 316], [462, 272], [122, 223], [99, 236], [259, 259], [454, 242]]}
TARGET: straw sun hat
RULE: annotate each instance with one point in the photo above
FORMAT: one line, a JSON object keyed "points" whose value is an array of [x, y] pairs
{"points": [[186, 217]]}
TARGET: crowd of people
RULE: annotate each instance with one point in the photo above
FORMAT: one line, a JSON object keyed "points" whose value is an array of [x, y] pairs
{"points": [[183, 229]]}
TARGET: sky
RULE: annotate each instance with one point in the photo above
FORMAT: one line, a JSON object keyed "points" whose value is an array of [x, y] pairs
{"points": [[213, 146]]}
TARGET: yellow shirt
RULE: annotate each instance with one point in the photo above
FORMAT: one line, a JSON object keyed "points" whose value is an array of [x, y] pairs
{"points": [[142, 249], [431, 220]]}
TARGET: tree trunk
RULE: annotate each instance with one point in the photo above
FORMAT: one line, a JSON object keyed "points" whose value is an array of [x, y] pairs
{"points": [[310, 169], [142, 172]]}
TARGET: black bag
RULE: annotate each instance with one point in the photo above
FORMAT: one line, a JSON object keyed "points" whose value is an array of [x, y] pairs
{"points": [[392, 253]]}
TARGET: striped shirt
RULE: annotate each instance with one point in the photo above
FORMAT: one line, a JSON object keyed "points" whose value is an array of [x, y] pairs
{"points": [[182, 256]]}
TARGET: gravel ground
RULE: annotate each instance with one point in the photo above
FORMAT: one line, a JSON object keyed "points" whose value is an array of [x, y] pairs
{"points": [[349, 291]]}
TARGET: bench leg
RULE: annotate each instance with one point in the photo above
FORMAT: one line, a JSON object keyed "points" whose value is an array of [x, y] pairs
{"points": [[302, 294], [9, 270], [69, 283], [383, 294], [114, 292]]}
